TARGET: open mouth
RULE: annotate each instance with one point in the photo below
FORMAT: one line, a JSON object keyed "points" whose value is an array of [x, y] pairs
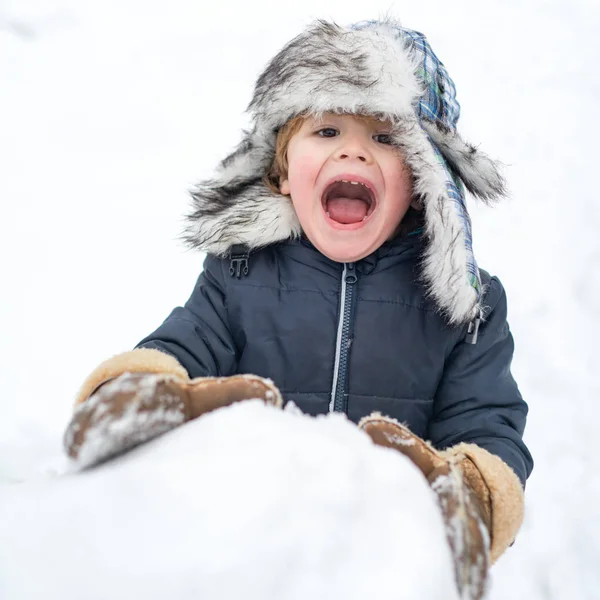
{"points": [[348, 202]]}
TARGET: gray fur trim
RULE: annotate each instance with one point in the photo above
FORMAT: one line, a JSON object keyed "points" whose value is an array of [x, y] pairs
{"points": [[444, 263], [330, 68], [480, 174], [236, 207], [258, 218]]}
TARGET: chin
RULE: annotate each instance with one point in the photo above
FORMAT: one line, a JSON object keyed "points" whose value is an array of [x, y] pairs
{"points": [[341, 254], [345, 245]]}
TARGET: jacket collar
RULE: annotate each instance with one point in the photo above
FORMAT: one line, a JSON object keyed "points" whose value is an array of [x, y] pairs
{"points": [[408, 247]]}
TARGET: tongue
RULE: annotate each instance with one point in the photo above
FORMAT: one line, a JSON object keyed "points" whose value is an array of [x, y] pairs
{"points": [[347, 210]]}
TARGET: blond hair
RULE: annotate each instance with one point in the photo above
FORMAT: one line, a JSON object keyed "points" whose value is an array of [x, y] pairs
{"points": [[279, 166]]}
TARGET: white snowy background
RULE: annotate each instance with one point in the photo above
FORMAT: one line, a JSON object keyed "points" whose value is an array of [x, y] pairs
{"points": [[110, 110]]}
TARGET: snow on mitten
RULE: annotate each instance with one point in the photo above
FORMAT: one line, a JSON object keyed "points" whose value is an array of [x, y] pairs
{"points": [[136, 407], [466, 519]]}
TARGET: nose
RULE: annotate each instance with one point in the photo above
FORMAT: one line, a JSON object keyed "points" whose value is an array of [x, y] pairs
{"points": [[353, 148]]}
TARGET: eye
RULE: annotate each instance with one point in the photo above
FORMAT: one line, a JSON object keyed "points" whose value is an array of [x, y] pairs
{"points": [[327, 132], [383, 138]]}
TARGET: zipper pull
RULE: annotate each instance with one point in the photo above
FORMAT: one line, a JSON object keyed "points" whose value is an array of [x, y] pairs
{"points": [[473, 331], [350, 274]]}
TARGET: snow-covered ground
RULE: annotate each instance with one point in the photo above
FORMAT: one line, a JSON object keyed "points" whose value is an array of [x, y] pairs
{"points": [[110, 110], [247, 502]]}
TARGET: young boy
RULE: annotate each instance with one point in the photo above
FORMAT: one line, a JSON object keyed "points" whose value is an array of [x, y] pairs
{"points": [[340, 268]]}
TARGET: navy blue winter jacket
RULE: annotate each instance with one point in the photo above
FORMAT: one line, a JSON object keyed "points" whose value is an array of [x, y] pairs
{"points": [[357, 338]]}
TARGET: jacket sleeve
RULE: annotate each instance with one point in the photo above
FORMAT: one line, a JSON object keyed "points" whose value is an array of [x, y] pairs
{"points": [[198, 334], [478, 401], [194, 340]]}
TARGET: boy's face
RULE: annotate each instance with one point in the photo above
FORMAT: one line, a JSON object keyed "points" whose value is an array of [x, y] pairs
{"points": [[350, 188]]}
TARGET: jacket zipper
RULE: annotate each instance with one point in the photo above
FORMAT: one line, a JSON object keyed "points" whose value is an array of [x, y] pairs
{"points": [[338, 400]]}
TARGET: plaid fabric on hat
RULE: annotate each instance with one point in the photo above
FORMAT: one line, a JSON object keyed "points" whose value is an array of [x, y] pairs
{"points": [[455, 191], [439, 100], [438, 103]]}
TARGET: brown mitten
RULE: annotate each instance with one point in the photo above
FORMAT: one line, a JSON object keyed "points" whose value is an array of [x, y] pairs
{"points": [[136, 407], [466, 518]]}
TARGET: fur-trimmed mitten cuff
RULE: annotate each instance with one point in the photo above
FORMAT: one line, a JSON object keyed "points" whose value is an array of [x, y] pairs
{"points": [[141, 360], [498, 489], [464, 518]]}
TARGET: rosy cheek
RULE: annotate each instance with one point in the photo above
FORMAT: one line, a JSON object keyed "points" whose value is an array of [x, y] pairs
{"points": [[303, 170]]}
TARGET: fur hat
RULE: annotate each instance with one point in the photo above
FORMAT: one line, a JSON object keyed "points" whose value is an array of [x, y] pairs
{"points": [[376, 68]]}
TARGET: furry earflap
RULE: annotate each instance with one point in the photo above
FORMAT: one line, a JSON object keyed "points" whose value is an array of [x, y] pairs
{"points": [[480, 174]]}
